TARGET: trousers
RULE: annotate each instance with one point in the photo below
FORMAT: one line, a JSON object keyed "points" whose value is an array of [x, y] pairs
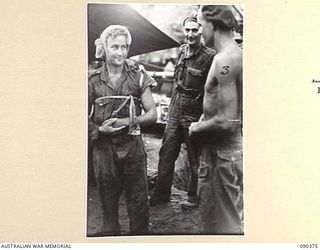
{"points": [[174, 135], [120, 165], [221, 190]]}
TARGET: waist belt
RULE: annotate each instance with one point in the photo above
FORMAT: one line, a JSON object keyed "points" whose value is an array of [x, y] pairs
{"points": [[189, 94]]}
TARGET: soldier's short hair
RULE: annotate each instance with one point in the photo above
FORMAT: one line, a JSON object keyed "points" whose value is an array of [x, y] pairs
{"points": [[220, 15], [190, 18]]}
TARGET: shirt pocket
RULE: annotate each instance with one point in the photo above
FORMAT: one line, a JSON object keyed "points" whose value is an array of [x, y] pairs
{"points": [[228, 162], [229, 168], [194, 72], [229, 155], [194, 78], [102, 109]]}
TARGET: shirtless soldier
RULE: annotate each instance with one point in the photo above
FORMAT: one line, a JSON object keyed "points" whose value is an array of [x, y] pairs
{"points": [[220, 172]]}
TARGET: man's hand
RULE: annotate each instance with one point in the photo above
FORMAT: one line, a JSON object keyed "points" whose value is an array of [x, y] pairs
{"points": [[108, 129], [193, 128], [120, 122]]}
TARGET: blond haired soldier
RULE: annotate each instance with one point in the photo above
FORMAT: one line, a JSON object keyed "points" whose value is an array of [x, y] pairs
{"points": [[117, 93]]}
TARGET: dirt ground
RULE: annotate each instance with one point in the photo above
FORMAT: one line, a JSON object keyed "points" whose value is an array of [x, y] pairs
{"points": [[168, 218]]}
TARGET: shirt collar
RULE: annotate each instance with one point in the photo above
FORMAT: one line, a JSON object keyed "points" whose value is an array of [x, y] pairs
{"points": [[104, 71], [196, 52]]}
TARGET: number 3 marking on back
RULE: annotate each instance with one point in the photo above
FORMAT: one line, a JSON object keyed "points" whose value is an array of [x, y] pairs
{"points": [[226, 70]]}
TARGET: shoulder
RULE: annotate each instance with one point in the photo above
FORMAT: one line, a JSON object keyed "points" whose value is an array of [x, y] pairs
{"points": [[134, 68], [208, 51], [139, 74], [222, 58], [227, 62], [94, 75], [227, 59], [132, 65]]}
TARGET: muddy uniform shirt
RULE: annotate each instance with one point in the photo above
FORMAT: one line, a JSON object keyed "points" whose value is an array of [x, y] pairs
{"points": [[189, 79], [130, 83], [186, 107], [119, 161]]}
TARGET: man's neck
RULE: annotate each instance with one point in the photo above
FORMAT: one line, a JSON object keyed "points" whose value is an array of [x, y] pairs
{"points": [[223, 41], [112, 69], [193, 48]]}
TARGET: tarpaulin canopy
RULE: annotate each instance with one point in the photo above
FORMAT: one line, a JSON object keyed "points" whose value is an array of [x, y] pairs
{"points": [[145, 36]]}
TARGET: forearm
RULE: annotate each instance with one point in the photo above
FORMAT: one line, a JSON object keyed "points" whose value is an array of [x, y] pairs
{"points": [[216, 123], [148, 118]]}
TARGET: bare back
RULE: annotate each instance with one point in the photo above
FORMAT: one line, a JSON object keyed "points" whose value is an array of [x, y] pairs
{"points": [[222, 96]]}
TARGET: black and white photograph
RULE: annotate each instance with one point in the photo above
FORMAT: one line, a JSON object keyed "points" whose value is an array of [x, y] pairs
{"points": [[128, 124], [165, 119]]}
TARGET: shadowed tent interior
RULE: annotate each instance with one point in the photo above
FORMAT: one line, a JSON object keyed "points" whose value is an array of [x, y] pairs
{"points": [[145, 36]]}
